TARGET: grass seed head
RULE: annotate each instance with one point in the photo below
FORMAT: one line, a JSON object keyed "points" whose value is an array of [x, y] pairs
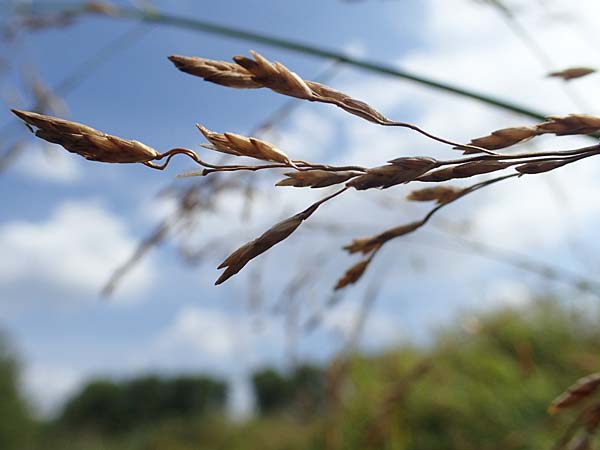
{"points": [[572, 73], [353, 274], [401, 170], [440, 194], [505, 137], [235, 144], [86, 141], [277, 233], [571, 124], [218, 72], [541, 166], [316, 178], [275, 76]]}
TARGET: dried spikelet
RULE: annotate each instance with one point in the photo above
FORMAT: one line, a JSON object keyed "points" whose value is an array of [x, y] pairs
{"points": [[100, 8], [316, 178], [581, 390], [86, 141], [259, 72], [465, 170], [401, 170], [277, 233], [368, 245], [359, 108], [416, 163], [235, 144], [444, 174], [478, 168], [353, 274], [398, 231], [572, 73], [504, 138], [363, 245], [541, 166], [275, 76], [571, 124], [218, 72], [440, 194]]}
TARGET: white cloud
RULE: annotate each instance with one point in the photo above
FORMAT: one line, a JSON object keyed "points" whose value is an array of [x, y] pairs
{"points": [[206, 332], [48, 386], [223, 341], [74, 250], [507, 293], [49, 164], [379, 329]]}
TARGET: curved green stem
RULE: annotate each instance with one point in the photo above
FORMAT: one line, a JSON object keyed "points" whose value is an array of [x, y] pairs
{"points": [[157, 17]]}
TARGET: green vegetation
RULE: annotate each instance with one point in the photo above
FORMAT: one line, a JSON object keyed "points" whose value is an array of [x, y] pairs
{"points": [[483, 384], [16, 427]]}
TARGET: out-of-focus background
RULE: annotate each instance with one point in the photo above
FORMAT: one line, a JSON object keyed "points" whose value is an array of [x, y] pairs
{"points": [[459, 336]]}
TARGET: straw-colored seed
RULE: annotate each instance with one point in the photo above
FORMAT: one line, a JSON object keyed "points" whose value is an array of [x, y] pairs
{"points": [[238, 145], [86, 141], [401, 170], [572, 73], [571, 124], [353, 274], [541, 166], [316, 178], [218, 72], [440, 194], [505, 137]]}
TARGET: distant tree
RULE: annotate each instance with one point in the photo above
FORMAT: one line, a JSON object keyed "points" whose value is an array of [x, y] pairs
{"points": [[301, 391], [16, 424], [272, 390], [114, 407]]}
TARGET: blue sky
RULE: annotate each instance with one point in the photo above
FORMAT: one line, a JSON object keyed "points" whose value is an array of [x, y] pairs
{"points": [[67, 223]]}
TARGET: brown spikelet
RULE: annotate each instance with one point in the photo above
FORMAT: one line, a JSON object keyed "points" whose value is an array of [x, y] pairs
{"points": [[571, 124], [368, 245], [503, 138], [465, 170], [353, 274], [250, 73], [362, 245], [572, 73], [218, 72], [277, 233], [359, 108], [316, 178], [401, 170], [478, 168], [235, 144], [440, 194], [86, 141], [445, 174], [100, 8], [581, 390], [541, 166], [275, 76]]}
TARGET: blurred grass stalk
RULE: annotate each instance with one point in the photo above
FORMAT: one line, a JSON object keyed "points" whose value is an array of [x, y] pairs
{"points": [[162, 18]]}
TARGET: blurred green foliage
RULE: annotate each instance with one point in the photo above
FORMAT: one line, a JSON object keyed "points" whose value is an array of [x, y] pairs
{"points": [[16, 426], [115, 407], [484, 383], [301, 392]]}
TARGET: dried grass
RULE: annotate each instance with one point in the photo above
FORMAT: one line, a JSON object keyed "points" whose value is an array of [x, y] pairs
{"points": [[258, 72]]}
